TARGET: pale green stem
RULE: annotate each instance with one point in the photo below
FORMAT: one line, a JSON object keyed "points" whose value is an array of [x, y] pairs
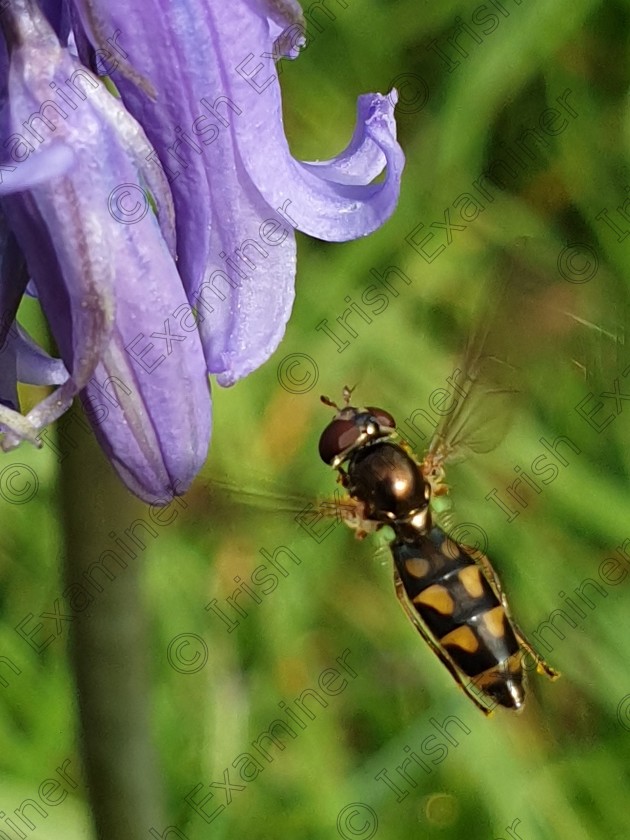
{"points": [[108, 645]]}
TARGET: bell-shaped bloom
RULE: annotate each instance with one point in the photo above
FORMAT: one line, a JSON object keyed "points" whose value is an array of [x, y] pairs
{"points": [[201, 76], [77, 167], [154, 211]]}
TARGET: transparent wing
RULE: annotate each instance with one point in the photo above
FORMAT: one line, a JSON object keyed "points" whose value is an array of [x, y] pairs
{"points": [[529, 314], [258, 493], [487, 378], [481, 417]]}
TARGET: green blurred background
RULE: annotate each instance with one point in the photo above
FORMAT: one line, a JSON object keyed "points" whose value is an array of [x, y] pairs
{"points": [[559, 770]]}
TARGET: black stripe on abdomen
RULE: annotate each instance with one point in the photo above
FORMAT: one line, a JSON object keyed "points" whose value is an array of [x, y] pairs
{"points": [[454, 601]]}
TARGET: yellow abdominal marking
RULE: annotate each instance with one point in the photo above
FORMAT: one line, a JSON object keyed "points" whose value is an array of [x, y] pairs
{"points": [[437, 597], [462, 637], [418, 567], [495, 622], [471, 580]]}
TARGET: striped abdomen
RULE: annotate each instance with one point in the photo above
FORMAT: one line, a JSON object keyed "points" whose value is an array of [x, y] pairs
{"points": [[458, 606]]}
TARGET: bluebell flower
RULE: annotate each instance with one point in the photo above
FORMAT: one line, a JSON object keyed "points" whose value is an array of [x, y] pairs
{"points": [[154, 212], [96, 279], [215, 120]]}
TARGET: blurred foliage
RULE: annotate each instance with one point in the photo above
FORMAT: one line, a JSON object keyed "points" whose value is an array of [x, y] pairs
{"points": [[559, 770]]}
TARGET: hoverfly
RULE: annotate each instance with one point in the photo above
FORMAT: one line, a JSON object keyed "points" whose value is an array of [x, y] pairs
{"points": [[449, 591]]}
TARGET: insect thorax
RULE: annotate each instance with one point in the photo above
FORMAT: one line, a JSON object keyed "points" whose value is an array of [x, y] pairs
{"points": [[388, 481]]}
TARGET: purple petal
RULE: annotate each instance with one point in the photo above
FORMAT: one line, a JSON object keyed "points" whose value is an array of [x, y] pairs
{"points": [[13, 278], [287, 26], [107, 282], [23, 360], [363, 159], [41, 166], [8, 377], [56, 12], [244, 301], [320, 207], [34, 365], [216, 123]]}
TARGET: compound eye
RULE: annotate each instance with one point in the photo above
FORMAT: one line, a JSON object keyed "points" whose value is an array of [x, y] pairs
{"points": [[336, 437], [382, 417]]}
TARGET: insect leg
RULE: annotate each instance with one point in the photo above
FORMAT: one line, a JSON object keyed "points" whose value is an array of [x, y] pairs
{"points": [[402, 597], [542, 666], [352, 512]]}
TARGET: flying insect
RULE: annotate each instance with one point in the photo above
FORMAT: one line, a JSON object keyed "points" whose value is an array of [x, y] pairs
{"points": [[450, 591]]}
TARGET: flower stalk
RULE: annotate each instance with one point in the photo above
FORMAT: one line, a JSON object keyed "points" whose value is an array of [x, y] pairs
{"points": [[108, 647]]}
